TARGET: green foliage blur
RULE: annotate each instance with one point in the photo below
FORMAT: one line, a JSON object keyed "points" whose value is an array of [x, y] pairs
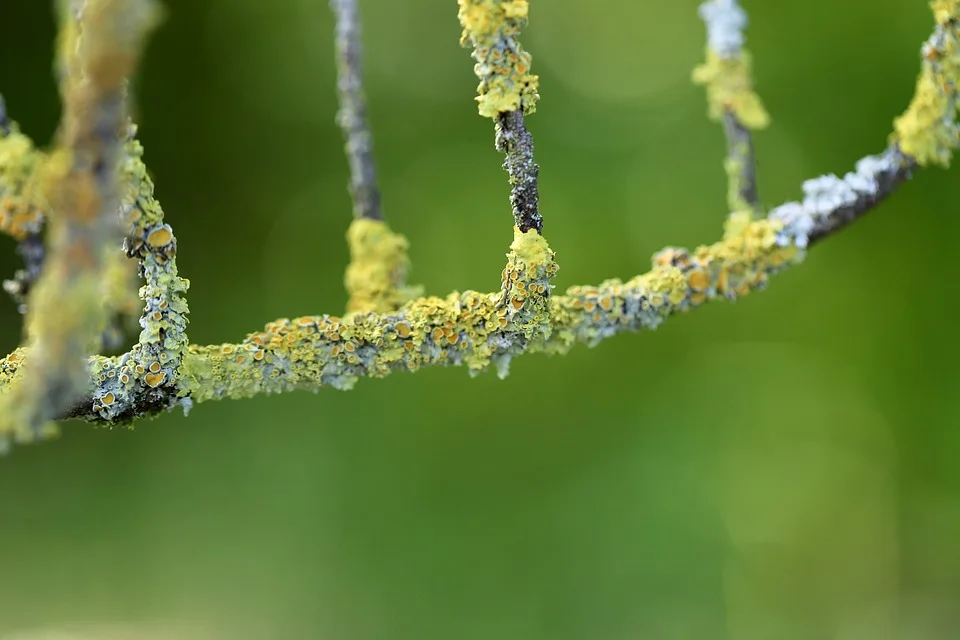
{"points": [[785, 467]]}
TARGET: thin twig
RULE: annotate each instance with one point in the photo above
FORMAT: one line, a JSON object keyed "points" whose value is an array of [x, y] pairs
{"points": [[352, 116], [726, 74], [740, 165], [507, 92], [513, 140]]}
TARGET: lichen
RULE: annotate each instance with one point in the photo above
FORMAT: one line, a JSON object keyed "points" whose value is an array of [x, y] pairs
{"points": [[152, 367], [376, 278], [491, 27], [20, 212], [477, 330], [928, 130], [730, 88]]}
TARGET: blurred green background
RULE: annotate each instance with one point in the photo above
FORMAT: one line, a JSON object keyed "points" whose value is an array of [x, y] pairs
{"points": [[785, 467]]}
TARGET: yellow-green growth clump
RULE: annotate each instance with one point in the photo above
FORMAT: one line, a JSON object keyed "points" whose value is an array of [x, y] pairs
{"points": [[525, 287], [19, 214], [492, 27], [928, 130], [376, 278], [730, 88], [945, 10]]}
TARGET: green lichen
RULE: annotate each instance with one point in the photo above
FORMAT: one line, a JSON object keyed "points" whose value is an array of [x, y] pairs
{"points": [[376, 278], [730, 88], [491, 27]]}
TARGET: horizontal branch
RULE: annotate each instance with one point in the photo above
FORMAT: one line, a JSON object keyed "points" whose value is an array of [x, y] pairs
{"points": [[477, 330]]}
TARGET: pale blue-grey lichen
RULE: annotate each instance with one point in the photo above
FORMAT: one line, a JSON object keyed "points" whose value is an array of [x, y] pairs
{"points": [[828, 194], [151, 368]]}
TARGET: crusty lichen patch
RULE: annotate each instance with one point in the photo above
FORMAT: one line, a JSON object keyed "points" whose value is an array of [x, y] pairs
{"points": [[492, 28]]}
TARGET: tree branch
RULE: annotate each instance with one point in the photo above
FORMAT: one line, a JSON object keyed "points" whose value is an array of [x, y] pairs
{"points": [[376, 278], [20, 216], [352, 116], [477, 330], [65, 318], [513, 139]]}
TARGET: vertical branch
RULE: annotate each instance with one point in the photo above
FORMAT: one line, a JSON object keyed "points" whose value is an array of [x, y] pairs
{"points": [[376, 278], [507, 91], [352, 116], [732, 101], [740, 166], [100, 48], [513, 140], [20, 217]]}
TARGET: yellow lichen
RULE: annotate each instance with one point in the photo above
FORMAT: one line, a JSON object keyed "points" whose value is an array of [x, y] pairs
{"points": [[730, 88], [928, 131], [532, 248], [377, 274], [491, 27], [20, 214], [945, 10]]}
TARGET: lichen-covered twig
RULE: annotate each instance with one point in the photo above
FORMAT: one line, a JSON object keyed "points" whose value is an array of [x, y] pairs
{"points": [[376, 278], [732, 100], [66, 318], [478, 330], [506, 92], [20, 217]]}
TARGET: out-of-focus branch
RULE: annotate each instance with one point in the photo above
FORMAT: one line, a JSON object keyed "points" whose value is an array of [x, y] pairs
{"points": [[66, 320], [376, 278], [352, 115], [928, 130], [732, 100], [20, 215]]}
